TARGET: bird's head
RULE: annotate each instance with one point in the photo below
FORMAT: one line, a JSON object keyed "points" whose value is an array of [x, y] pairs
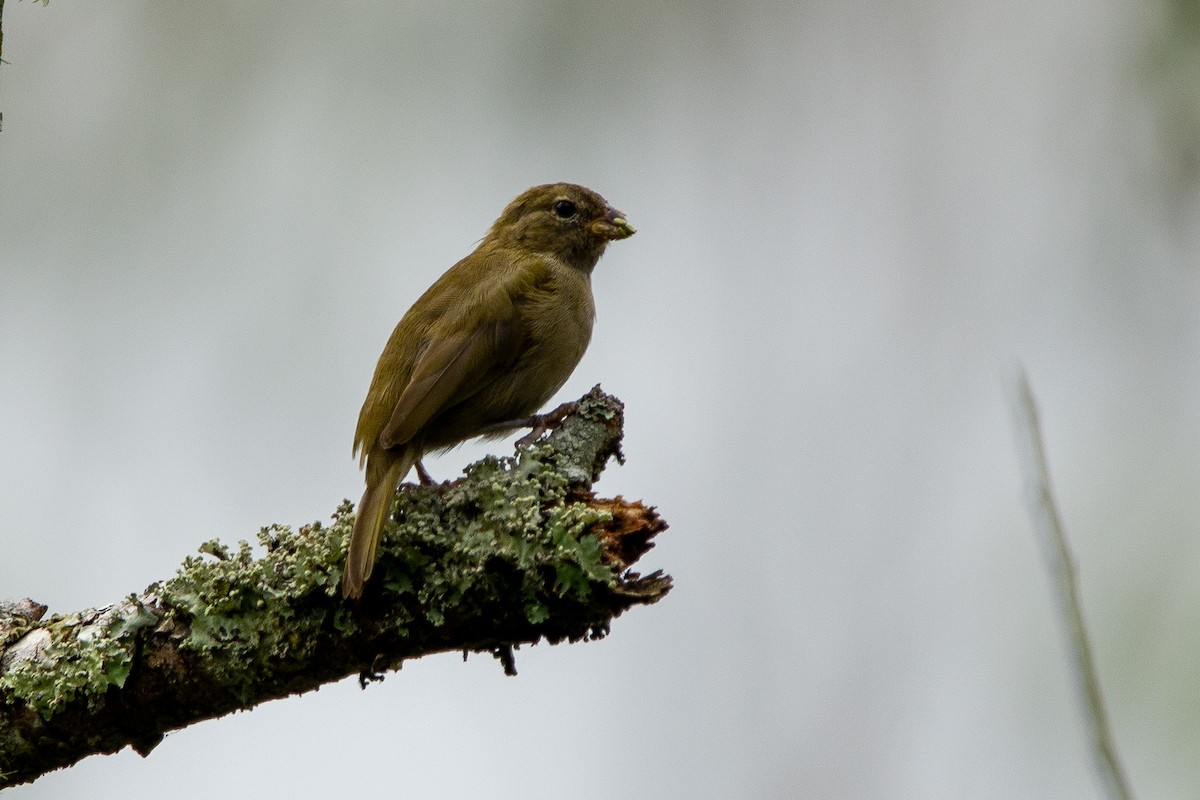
{"points": [[565, 220]]}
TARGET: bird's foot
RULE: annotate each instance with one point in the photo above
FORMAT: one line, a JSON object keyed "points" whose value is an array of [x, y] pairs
{"points": [[423, 474], [547, 422], [539, 423]]}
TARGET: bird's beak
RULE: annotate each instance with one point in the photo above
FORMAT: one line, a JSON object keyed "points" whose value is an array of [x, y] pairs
{"points": [[612, 225]]}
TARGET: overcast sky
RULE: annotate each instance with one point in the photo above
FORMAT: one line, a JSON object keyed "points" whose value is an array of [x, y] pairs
{"points": [[854, 219]]}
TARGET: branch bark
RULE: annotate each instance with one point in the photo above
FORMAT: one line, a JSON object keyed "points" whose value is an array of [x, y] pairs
{"points": [[518, 551]]}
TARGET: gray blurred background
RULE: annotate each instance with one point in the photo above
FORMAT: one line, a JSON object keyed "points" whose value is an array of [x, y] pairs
{"points": [[855, 219]]}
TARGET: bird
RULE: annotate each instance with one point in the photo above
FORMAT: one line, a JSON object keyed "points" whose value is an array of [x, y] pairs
{"points": [[482, 349]]}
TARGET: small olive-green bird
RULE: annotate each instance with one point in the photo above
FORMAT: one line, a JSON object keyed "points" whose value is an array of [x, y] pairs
{"points": [[489, 343]]}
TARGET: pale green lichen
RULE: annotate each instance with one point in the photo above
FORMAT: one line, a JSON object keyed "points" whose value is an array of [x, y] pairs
{"points": [[508, 536], [243, 611], [84, 655], [509, 520], [507, 530]]}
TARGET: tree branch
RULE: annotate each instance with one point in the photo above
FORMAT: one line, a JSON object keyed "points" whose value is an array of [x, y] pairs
{"points": [[518, 551]]}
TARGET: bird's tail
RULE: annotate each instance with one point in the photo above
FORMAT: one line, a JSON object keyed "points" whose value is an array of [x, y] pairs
{"points": [[372, 514]]}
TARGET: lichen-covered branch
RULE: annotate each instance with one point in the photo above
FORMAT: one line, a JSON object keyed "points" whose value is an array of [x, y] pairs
{"points": [[518, 551]]}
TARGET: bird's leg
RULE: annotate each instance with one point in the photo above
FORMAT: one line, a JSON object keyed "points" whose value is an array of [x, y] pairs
{"points": [[540, 423], [423, 475]]}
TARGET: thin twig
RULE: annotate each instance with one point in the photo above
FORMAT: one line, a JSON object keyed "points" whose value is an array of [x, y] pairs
{"points": [[1061, 566]]}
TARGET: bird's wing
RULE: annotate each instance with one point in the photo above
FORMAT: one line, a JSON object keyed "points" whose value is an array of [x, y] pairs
{"points": [[443, 374]]}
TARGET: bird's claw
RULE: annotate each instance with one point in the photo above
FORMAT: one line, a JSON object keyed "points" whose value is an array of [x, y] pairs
{"points": [[547, 422]]}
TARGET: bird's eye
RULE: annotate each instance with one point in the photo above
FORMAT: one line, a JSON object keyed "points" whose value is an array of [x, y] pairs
{"points": [[564, 209]]}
